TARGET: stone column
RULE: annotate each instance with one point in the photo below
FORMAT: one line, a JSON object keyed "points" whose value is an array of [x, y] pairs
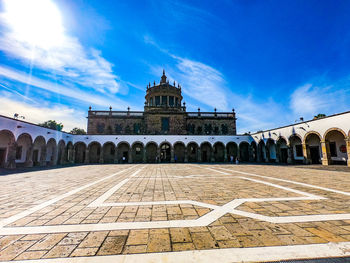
{"points": [[290, 154], [305, 155], [73, 156], [116, 155], [238, 154], [129, 156], [251, 153], [326, 155], [144, 159], [347, 142], [11, 156], [225, 154], [29, 156], [43, 156], [158, 155], [87, 158], [172, 160], [54, 156], [199, 155], [186, 155], [101, 159], [278, 152]]}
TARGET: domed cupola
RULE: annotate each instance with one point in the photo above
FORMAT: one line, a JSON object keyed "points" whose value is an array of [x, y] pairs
{"points": [[163, 96]]}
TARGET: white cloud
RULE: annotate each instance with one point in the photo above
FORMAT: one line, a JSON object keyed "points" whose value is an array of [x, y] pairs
{"points": [[309, 100], [37, 36], [70, 92], [69, 117]]}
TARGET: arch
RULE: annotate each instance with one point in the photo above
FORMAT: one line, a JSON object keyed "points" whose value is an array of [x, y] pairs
{"points": [[333, 129], [165, 152], [61, 145], [123, 152], [219, 152], [137, 152], [179, 152], [261, 157], [80, 151], [336, 150], [312, 141], [7, 149], [39, 151], [94, 152], [192, 152], [151, 152], [271, 150], [108, 149], [51, 152], [282, 150], [295, 142], [232, 151], [24, 150], [206, 152], [244, 152], [312, 132]]}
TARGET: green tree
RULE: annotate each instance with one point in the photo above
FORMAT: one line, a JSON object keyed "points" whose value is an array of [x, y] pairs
{"points": [[319, 116], [78, 131], [52, 124]]}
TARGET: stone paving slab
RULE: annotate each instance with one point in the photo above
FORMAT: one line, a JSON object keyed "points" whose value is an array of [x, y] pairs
{"points": [[101, 210]]}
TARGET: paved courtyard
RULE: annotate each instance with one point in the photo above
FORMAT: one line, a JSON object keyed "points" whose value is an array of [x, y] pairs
{"points": [[188, 212]]}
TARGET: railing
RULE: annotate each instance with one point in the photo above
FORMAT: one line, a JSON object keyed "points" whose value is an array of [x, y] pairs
{"points": [[211, 114], [117, 113]]}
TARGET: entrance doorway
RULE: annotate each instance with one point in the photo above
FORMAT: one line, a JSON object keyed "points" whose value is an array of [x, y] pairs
{"points": [[2, 157], [315, 154], [165, 153]]}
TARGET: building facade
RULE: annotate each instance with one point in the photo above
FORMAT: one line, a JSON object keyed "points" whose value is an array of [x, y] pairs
{"points": [[165, 132], [164, 114]]}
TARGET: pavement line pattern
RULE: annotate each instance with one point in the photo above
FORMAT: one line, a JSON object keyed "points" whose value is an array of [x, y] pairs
{"points": [[284, 219], [205, 220], [224, 255], [287, 181]]}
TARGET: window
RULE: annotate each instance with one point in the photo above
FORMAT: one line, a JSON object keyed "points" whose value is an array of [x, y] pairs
{"points": [[176, 102], [199, 130], [299, 150], [171, 101], [216, 130], [127, 129], [118, 128], [207, 128], [164, 100], [18, 152], [165, 124], [190, 128], [100, 128], [151, 102], [333, 149], [138, 151], [224, 129], [157, 100], [136, 128]]}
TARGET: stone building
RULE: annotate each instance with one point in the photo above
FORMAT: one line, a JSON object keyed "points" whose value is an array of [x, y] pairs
{"points": [[164, 113]]}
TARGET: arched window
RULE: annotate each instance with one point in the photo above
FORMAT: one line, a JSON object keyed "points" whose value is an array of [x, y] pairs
{"points": [[118, 129]]}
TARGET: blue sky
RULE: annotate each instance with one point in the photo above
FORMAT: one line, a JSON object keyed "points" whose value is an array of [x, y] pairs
{"points": [[272, 61]]}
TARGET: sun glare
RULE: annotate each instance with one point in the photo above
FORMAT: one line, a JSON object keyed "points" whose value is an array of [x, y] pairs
{"points": [[36, 22]]}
